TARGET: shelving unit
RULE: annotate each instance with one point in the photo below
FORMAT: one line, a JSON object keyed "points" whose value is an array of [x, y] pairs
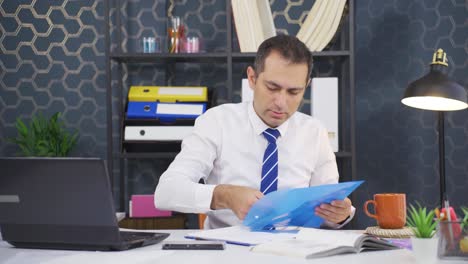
{"points": [[343, 57]]}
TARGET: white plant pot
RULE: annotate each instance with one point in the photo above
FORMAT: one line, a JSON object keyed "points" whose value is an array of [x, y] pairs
{"points": [[424, 249]]}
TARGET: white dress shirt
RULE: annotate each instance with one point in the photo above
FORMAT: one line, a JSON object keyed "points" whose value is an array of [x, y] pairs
{"points": [[227, 147]]}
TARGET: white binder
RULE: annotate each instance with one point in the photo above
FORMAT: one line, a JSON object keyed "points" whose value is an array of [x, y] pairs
{"points": [[324, 106], [157, 133]]}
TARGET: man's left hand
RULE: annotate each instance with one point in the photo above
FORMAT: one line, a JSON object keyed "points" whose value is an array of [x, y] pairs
{"points": [[336, 212]]}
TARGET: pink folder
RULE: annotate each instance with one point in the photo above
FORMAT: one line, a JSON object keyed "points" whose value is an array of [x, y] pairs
{"points": [[143, 206]]}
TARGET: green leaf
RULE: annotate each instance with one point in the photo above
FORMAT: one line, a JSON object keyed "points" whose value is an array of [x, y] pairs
{"points": [[22, 129], [25, 151], [465, 218], [421, 221]]}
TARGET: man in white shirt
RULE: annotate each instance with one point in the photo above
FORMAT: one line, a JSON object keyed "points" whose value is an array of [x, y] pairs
{"points": [[230, 150]]}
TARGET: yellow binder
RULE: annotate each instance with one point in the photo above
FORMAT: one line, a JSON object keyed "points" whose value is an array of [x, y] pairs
{"points": [[168, 94]]}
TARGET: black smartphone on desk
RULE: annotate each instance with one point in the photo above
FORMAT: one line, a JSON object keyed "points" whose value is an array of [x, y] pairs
{"points": [[194, 245]]}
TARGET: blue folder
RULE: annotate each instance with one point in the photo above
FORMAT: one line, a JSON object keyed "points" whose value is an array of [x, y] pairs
{"points": [[166, 112], [295, 207]]}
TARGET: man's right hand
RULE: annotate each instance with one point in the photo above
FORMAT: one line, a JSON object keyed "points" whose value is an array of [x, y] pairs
{"points": [[237, 198]]}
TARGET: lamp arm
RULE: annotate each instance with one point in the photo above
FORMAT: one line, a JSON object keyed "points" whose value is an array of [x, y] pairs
{"points": [[441, 132]]}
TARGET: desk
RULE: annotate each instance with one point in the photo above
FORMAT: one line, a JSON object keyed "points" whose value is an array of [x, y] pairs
{"points": [[154, 254]]}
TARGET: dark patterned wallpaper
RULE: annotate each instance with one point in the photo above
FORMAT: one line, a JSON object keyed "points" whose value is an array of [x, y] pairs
{"points": [[397, 147], [52, 59]]}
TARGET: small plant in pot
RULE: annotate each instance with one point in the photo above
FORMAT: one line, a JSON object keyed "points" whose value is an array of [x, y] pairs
{"points": [[44, 137], [421, 221]]}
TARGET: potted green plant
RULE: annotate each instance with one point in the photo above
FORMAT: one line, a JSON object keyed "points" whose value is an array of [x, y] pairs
{"points": [[422, 222], [44, 137]]}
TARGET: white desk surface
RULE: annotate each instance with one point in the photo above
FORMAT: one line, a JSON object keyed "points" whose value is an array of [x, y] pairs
{"points": [[153, 254]]}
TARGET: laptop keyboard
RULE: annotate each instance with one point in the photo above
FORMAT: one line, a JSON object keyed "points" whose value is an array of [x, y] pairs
{"points": [[132, 236]]}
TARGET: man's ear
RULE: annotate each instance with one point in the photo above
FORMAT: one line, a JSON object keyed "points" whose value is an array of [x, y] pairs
{"points": [[251, 76]]}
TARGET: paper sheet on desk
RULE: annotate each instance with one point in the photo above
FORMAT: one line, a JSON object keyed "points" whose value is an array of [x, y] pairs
{"points": [[241, 235], [295, 207]]}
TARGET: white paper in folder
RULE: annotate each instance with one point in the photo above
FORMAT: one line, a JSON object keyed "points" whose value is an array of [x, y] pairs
{"points": [[324, 106]]}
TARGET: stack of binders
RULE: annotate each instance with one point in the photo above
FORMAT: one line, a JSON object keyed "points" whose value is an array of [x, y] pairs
{"points": [[162, 113]]}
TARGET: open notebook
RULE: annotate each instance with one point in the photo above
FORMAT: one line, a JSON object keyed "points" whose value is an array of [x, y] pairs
{"points": [[315, 243]]}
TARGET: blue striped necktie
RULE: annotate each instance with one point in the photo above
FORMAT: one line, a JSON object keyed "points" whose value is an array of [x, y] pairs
{"points": [[269, 181]]}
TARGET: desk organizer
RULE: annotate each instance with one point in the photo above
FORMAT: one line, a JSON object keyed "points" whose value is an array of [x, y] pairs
{"points": [[453, 240]]}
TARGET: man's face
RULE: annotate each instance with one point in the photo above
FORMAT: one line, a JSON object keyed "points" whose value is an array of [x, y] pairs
{"points": [[278, 90]]}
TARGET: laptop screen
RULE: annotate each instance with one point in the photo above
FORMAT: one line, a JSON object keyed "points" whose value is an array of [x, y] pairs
{"points": [[56, 200]]}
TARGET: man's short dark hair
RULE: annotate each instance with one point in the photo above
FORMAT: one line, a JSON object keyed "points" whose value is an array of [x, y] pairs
{"points": [[289, 47]]}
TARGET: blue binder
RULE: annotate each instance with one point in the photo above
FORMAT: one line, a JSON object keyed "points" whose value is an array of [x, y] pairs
{"points": [[166, 112], [141, 110]]}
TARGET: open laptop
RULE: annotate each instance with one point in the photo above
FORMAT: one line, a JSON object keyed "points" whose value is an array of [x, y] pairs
{"points": [[62, 203]]}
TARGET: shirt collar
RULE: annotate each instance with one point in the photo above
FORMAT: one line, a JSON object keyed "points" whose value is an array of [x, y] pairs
{"points": [[259, 126]]}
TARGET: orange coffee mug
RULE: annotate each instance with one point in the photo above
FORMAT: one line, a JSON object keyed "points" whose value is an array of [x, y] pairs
{"points": [[390, 210]]}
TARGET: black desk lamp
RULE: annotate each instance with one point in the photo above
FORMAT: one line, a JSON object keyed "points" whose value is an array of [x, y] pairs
{"points": [[436, 92]]}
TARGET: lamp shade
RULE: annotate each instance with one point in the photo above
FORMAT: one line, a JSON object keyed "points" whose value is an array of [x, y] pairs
{"points": [[435, 91]]}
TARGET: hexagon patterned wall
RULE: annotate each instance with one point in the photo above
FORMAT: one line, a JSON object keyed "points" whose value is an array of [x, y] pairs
{"points": [[397, 147], [52, 59]]}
